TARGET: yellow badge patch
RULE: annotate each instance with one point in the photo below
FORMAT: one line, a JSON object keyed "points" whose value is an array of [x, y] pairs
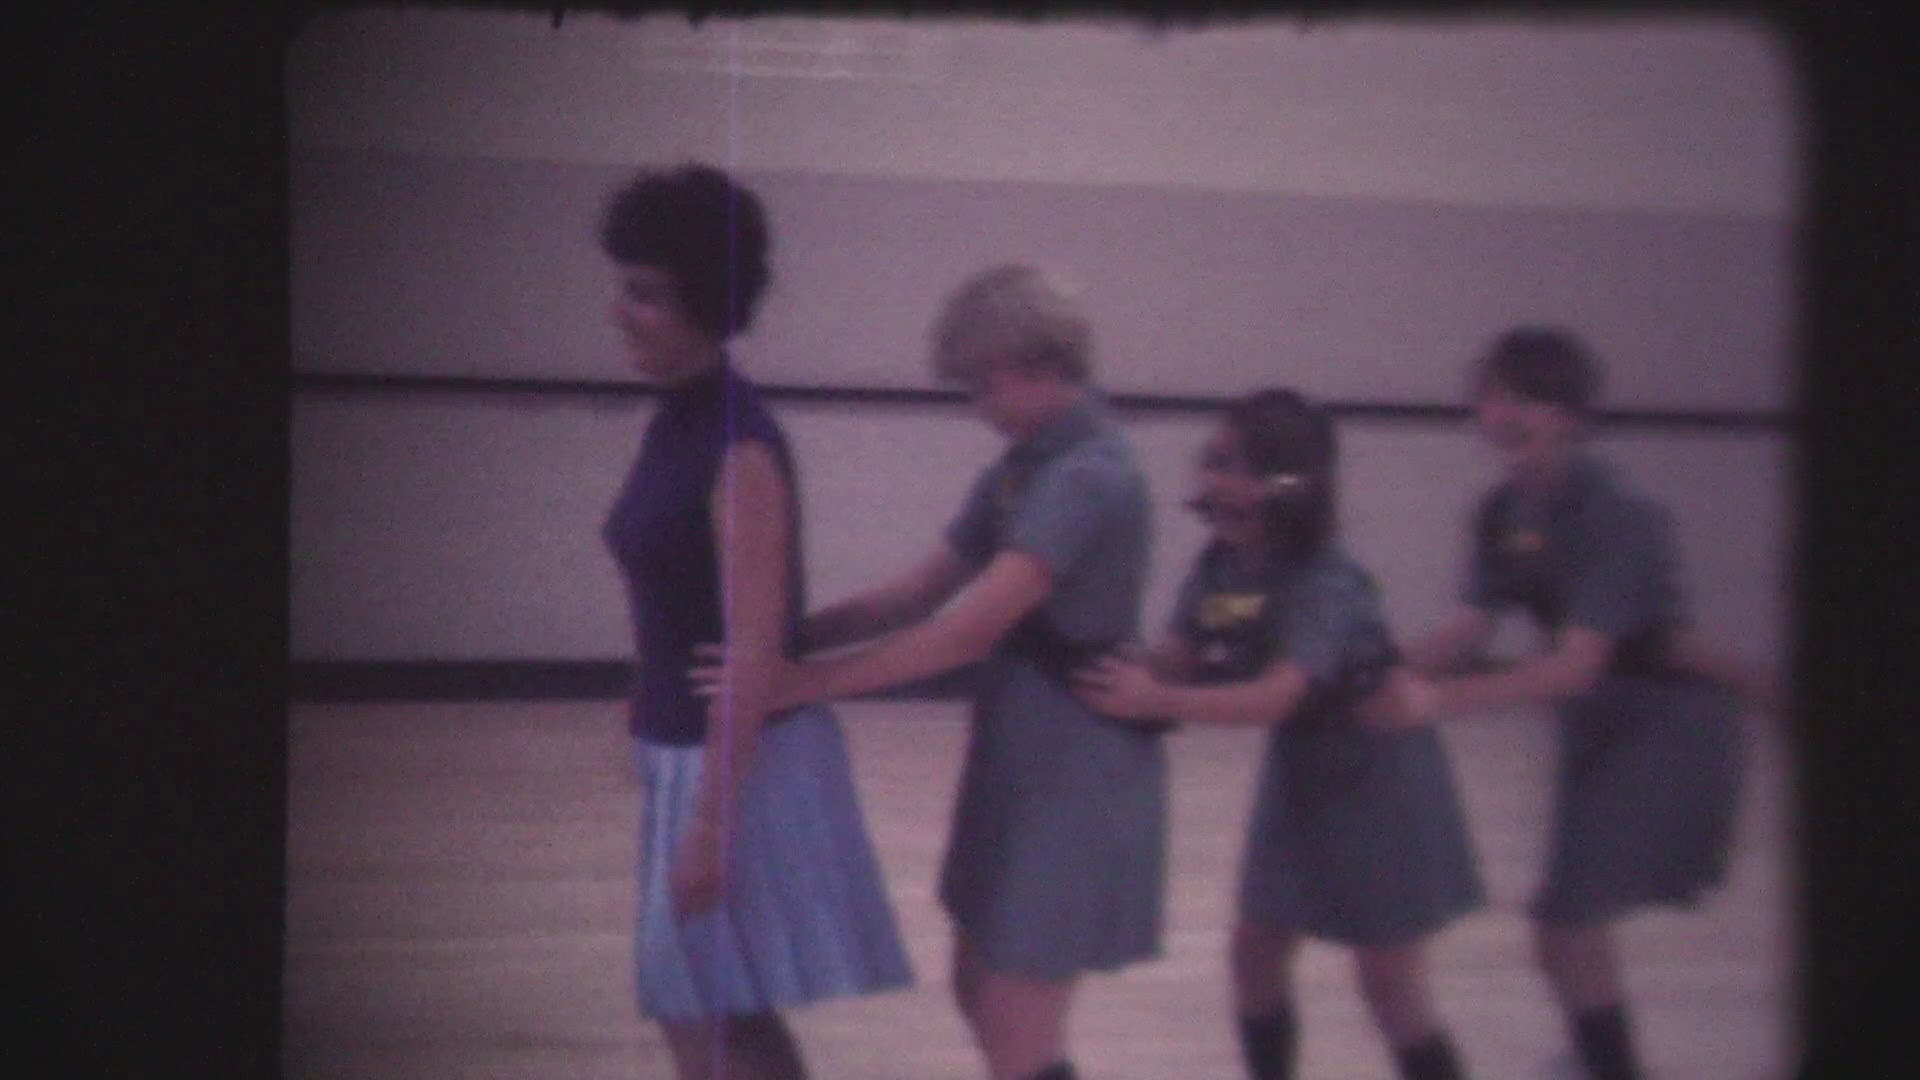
{"points": [[1225, 609]]}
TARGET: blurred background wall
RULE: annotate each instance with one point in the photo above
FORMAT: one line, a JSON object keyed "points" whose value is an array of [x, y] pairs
{"points": [[1353, 208]]}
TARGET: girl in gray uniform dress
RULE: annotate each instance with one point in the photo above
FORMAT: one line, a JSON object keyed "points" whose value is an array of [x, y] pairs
{"points": [[1357, 835], [1055, 865], [1649, 763]]}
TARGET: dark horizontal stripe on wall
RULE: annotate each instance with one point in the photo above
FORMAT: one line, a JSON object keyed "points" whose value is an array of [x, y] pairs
{"points": [[508, 680], [1698, 419]]}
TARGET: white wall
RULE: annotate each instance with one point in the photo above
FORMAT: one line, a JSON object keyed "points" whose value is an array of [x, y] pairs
{"points": [[1662, 113], [410, 262], [1351, 208]]}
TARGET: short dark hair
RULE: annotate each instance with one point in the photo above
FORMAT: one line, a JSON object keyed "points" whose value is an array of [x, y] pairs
{"points": [[701, 228], [1283, 434], [1542, 363]]}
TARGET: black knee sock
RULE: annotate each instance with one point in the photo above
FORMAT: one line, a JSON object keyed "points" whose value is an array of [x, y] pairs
{"points": [[766, 1040], [1606, 1043], [1059, 1070], [1430, 1059], [1268, 1043]]}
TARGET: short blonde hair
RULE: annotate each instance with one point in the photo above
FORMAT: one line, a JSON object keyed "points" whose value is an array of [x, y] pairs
{"points": [[1011, 313]]}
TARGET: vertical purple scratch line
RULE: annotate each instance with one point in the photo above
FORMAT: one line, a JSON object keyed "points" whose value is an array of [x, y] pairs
{"points": [[728, 811]]}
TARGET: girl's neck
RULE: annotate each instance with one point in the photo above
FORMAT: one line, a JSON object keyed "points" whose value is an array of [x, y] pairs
{"points": [[1542, 476], [1252, 553]]}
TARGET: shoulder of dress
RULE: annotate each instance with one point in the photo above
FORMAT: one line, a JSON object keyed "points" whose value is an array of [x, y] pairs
{"points": [[1623, 504], [1334, 569], [1094, 459]]}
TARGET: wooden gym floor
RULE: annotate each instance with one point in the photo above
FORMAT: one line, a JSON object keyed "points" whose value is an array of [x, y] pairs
{"points": [[460, 896]]}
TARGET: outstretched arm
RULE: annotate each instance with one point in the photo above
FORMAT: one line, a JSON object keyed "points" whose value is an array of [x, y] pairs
{"points": [[1575, 663], [1407, 697], [1131, 690], [1457, 640], [1757, 684], [906, 599], [965, 631], [1173, 659]]}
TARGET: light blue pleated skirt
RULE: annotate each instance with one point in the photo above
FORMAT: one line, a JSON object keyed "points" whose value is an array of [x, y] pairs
{"points": [[805, 917]]}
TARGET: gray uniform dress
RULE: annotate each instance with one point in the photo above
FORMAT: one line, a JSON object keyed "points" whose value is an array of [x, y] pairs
{"points": [[1650, 758], [1356, 834], [1056, 863]]}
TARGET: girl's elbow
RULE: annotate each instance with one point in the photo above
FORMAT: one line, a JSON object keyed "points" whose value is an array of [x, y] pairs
{"points": [[975, 648], [953, 646]]}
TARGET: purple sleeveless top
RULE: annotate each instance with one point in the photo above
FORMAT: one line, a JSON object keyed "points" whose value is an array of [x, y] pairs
{"points": [[660, 531]]}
